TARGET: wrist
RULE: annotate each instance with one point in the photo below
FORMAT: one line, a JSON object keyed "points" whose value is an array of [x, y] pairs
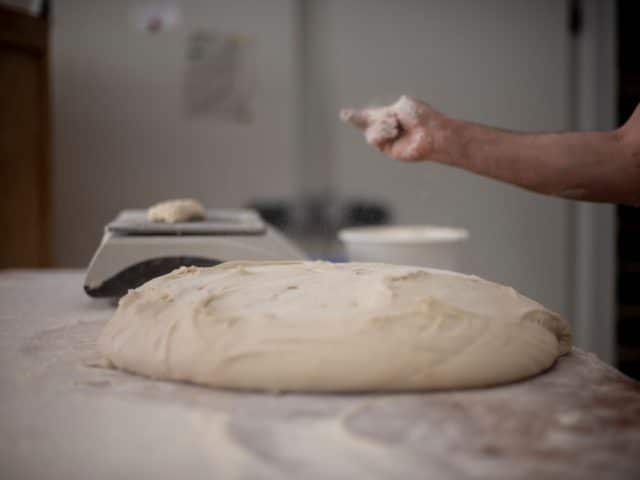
{"points": [[448, 140]]}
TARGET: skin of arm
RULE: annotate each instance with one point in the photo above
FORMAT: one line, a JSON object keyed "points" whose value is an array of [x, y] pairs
{"points": [[591, 166]]}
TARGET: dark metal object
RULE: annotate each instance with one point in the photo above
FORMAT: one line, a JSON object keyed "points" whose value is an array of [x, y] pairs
{"points": [[142, 272]]}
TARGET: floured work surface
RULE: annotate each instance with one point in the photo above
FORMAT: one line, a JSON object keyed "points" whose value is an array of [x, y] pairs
{"points": [[62, 419]]}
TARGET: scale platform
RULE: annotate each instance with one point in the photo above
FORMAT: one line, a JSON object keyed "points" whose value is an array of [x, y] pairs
{"points": [[134, 250]]}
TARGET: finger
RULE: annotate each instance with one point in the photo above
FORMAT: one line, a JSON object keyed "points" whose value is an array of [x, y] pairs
{"points": [[358, 118], [412, 148], [382, 130], [408, 111]]}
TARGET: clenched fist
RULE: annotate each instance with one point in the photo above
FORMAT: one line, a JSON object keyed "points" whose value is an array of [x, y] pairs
{"points": [[408, 130]]}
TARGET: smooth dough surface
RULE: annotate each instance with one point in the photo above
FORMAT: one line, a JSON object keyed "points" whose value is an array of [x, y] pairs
{"points": [[173, 211], [317, 326]]}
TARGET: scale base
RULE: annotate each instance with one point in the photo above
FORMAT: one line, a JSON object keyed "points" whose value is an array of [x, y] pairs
{"points": [[127, 260]]}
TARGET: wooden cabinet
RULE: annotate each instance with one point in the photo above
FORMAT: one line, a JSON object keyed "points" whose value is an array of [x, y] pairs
{"points": [[24, 141]]}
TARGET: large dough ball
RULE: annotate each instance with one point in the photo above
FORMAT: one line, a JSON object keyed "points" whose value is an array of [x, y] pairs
{"points": [[315, 326]]}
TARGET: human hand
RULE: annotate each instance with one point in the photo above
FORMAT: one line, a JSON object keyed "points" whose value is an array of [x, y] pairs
{"points": [[408, 130]]}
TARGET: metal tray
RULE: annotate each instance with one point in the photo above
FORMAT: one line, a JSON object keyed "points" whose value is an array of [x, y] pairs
{"points": [[217, 222]]}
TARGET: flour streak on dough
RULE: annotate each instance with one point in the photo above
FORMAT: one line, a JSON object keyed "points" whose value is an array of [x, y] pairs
{"points": [[316, 326]]}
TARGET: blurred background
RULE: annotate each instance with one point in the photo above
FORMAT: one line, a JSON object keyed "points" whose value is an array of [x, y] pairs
{"points": [[106, 105]]}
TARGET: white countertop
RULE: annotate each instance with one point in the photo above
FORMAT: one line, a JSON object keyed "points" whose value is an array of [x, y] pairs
{"points": [[62, 419]]}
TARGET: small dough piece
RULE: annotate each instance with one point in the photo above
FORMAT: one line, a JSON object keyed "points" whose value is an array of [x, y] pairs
{"points": [[179, 210], [318, 326]]}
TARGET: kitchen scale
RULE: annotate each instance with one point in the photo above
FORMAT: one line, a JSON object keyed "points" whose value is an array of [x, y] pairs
{"points": [[134, 250]]}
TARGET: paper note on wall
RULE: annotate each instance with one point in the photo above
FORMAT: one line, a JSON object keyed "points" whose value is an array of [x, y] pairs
{"points": [[154, 17], [220, 76]]}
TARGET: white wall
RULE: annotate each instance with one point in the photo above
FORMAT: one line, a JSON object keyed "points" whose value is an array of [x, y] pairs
{"points": [[122, 138], [500, 62], [594, 313]]}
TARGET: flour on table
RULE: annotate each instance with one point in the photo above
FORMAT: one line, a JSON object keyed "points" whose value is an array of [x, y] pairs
{"points": [[317, 326], [173, 211]]}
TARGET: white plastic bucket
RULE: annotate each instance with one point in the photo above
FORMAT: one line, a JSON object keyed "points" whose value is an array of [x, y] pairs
{"points": [[419, 245]]}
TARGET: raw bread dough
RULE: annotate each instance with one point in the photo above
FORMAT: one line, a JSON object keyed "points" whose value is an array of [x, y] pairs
{"points": [[173, 211], [316, 326]]}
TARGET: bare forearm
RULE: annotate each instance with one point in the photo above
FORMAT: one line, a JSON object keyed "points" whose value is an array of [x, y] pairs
{"points": [[594, 166]]}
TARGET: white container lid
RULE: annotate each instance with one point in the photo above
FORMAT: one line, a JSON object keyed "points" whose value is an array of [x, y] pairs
{"points": [[403, 234]]}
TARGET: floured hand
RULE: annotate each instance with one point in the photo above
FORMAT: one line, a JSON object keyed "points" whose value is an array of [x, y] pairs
{"points": [[408, 130], [591, 166]]}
